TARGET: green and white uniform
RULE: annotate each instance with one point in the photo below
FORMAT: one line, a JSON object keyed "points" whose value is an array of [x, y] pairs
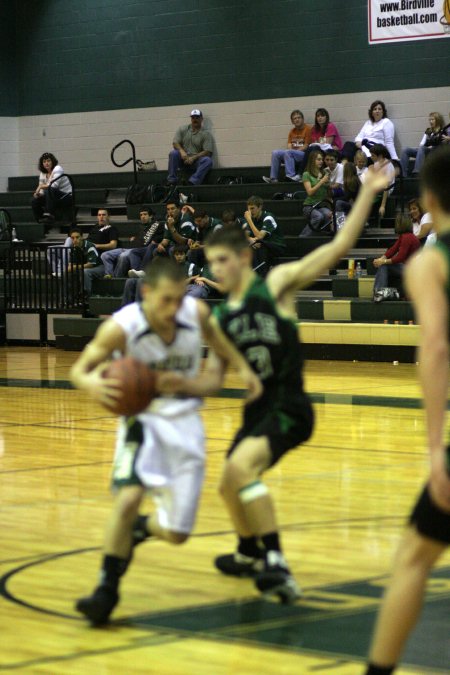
{"points": [[162, 448], [270, 344]]}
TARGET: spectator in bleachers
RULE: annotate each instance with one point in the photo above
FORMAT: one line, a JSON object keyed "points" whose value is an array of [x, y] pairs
{"points": [[317, 207], [229, 218], [177, 229], [193, 148], [377, 130], [390, 265], [382, 162], [264, 235], [46, 198], [350, 189], [360, 162], [335, 170], [85, 255], [299, 139], [431, 139], [421, 222], [204, 224], [118, 261], [103, 234], [204, 285], [324, 133]]}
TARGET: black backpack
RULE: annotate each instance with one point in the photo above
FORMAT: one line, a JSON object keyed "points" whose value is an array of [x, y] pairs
{"points": [[137, 194]]}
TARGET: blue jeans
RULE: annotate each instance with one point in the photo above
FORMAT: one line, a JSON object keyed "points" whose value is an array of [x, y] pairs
{"points": [[201, 167], [289, 157], [47, 202], [116, 261], [132, 291], [386, 274], [319, 220], [136, 257], [90, 274], [197, 291], [419, 153]]}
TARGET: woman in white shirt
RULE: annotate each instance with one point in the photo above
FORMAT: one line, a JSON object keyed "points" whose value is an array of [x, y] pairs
{"points": [[46, 196], [377, 130]]}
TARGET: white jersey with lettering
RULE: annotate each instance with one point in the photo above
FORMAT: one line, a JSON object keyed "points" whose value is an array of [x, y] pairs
{"points": [[182, 356]]}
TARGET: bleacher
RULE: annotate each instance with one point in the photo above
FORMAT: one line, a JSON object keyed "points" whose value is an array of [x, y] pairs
{"points": [[337, 317]]}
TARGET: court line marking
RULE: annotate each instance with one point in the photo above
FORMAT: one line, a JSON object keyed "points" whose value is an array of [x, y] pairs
{"points": [[221, 635], [236, 393]]}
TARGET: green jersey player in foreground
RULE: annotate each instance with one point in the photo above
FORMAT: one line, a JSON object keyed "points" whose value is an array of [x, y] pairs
{"points": [[259, 318], [428, 533]]}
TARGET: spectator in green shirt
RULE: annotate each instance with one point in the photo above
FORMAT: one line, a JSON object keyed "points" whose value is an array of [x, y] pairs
{"points": [[84, 255], [264, 235], [317, 207], [202, 224], [193, 148]]}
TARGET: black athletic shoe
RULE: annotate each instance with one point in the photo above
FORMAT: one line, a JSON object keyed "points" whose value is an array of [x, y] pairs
{"points": [[239, 565], [98, 606], [277, 580]]}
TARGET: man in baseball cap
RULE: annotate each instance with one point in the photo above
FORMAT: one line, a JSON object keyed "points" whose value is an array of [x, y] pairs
{"points": [[192, 148]]}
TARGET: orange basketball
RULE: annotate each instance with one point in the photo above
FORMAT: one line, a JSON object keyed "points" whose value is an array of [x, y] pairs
{"points": [[138, 385]]}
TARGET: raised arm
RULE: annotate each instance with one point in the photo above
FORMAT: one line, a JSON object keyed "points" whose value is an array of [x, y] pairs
{"points": [[293, 276], [426, 277]]}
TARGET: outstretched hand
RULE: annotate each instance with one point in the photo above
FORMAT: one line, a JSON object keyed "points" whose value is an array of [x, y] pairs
{"points": [[376, 180]]}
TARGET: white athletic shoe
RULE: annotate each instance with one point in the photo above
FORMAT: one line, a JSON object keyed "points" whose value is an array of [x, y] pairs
{"points": [[136, 274]]}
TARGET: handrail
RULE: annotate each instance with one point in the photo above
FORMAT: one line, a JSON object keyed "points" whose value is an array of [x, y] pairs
{"points": [[127, 161]]}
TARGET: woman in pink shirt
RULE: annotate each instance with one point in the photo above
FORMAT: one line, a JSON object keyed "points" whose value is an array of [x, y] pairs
{"points": [[324, 132]]}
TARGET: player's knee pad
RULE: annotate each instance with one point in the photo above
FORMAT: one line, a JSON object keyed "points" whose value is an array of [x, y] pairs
{"points": [[254, 490]]}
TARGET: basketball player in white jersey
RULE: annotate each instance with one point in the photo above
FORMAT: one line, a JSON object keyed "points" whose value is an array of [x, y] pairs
{"points": [[162, 448]]}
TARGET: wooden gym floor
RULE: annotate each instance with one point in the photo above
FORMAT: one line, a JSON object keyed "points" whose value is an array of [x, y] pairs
{"points": [[342, 500]]}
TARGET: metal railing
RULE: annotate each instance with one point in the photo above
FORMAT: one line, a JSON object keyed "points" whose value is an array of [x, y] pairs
{"points": [[42, 281], [127, 161]]}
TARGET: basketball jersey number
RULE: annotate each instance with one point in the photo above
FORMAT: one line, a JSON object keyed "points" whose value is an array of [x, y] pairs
{"points": [[259, 357]]}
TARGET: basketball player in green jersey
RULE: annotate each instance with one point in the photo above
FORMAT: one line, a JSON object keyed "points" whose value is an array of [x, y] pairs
{"points": [[259, 318], [428, 533]]}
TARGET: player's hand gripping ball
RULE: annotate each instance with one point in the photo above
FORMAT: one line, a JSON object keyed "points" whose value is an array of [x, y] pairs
{"points": [[137, 385]]}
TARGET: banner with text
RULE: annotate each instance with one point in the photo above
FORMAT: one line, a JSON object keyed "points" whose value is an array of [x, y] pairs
{"points": [[408, 20]]}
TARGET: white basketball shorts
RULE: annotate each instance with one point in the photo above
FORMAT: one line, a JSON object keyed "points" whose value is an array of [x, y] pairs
{"points": [[166, 455]]}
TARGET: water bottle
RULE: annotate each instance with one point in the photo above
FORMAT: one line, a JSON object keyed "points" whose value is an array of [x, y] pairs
{"points": [[358, 269], [14, 234]]}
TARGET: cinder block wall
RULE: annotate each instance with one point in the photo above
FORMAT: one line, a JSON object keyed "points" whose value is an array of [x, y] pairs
{"points": [[245, 131], [84, 75]]}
